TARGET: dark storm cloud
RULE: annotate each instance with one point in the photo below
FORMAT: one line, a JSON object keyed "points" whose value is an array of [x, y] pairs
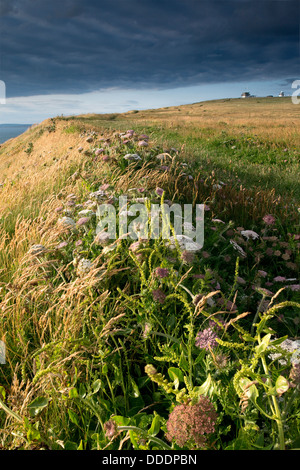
{"points": [[75, 46]]}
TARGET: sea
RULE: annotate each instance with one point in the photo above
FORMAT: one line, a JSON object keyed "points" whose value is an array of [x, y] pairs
{"points": [[8, 131]]}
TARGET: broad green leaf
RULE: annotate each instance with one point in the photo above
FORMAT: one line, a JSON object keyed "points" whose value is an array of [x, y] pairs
{"points": [[281, 385], [263, 344], [82, 391], [155, 426], [250, 391], [73, 417], [175, 375], [134, 438], [73, 393], [33, 434], [135, 389], [96, 386], [70, 445], [37, 405], [183, 362], [204, 388], [121, 420]]}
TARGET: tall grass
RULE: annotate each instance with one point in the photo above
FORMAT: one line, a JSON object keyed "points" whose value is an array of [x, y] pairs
{"points": [[107, 344]]}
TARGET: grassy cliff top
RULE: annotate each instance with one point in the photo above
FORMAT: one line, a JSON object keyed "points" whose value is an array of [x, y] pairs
{"points": [[107, 335]]}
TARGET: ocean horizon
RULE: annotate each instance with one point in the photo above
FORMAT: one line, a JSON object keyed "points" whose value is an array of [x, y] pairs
{"points": [[9, 131]]}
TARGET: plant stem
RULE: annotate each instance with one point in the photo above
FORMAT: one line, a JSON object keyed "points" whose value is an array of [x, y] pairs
{"points": [[278, 417], [256, 315], [10, 412]]}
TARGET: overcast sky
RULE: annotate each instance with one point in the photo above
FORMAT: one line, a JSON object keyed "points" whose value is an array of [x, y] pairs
{"points": [[73, 56]]}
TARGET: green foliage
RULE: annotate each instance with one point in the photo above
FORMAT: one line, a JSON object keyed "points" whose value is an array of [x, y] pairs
{"points": [[29, 149]]}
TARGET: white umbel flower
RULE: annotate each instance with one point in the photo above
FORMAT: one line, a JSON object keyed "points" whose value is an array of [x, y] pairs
{"points": [[132, 156], [185, 243], [83, 267], [86, 213], [98, 195], [290, 346], [249, 234], [37, 249], [67, 222]]}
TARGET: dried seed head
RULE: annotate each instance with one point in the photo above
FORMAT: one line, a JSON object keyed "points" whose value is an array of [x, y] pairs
{"points": [[110, 428]]}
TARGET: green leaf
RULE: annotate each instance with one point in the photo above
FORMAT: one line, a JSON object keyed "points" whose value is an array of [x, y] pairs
{"points": [[176, 376], [134, 438], [73, 393], [96, 386], [37, 405], [81, 391], [121, 420], [135, 389], [263, 344], [278, 341], [80, 447], [281, 385], [2, 392], [263, 323], [73, 417], [70, 445], [205, 387], [183, 363], [33, 434], [155, 426], [260, 441], [251, 392]]}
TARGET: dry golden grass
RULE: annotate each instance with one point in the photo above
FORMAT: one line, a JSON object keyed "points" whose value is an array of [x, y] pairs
{"points": [[274, 119]]}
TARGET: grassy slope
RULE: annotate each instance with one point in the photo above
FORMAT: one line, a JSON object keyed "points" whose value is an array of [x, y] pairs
{"points": [[54, 324], [256, 139]]}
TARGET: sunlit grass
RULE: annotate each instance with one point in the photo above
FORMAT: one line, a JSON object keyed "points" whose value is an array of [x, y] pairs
{"points": [[104, 341]]}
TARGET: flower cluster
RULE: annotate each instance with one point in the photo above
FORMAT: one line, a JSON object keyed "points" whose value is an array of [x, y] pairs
{"points": [[162, 272], [191, 424], [206, 339], [159, 296], [83, 267]]}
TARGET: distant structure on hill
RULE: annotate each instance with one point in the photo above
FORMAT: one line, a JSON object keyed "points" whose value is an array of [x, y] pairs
{"points": [[281, 94], [246, 94]]}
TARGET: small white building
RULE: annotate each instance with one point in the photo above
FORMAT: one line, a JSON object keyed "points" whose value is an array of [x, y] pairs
{"points": [[246, 94], [281, 94]]}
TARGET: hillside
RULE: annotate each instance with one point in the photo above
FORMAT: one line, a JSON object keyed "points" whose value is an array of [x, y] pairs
{"points": [[256, 138], [117, 343]]}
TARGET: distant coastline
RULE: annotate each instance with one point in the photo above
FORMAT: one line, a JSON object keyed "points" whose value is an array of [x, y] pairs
{"points": [[9, 131]]}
